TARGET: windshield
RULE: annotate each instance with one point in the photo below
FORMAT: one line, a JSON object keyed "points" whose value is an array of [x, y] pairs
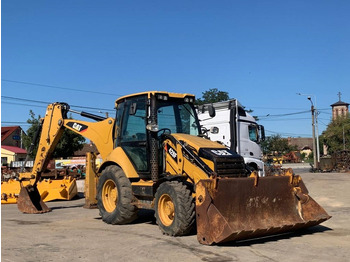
{"points": [[178, 117]]}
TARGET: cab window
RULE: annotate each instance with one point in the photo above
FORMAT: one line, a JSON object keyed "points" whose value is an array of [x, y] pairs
{"points": [[253, 133], [179, 118]]}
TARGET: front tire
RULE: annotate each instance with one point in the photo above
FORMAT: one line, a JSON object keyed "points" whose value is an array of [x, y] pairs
{"points": [[174, 208], [114, 197]]}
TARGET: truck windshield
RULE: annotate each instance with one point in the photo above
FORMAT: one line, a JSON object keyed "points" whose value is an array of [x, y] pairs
{"points": [[178, 117], [253, 133]]}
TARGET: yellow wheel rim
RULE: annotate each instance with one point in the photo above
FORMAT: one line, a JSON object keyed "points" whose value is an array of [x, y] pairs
{"points": [[166, 210], [109, 195]]}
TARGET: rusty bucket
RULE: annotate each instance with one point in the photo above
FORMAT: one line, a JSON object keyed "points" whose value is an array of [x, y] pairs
{"points": [[30, 202], [231, 209]]}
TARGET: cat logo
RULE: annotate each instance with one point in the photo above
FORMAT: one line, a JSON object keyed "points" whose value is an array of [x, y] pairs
{"points": [[78, 127], [220, 152]]}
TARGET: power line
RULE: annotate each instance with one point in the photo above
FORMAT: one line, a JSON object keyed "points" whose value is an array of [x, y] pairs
{"points": [[58, 87], [27, 100], [19, 104], [11, 122], [328, 113], [322, 122], [277, 108], [286, 119], [46, 103], [288, 114], [286, 134]]}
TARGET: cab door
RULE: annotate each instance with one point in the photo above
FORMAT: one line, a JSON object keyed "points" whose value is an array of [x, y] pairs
{"points": [[132, 134]]}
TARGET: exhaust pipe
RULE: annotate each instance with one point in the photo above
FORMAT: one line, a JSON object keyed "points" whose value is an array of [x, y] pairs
{"points": [[154, 143]]}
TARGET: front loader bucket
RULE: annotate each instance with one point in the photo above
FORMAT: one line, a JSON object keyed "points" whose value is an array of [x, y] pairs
{"points": [[230, 209], [30, 202]]}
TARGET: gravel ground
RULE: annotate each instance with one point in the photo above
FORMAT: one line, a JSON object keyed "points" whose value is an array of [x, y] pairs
{"points": [[72, 233]]}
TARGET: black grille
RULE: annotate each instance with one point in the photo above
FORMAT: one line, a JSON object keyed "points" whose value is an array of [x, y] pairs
{"points": [[226, 162], [233, 167]]}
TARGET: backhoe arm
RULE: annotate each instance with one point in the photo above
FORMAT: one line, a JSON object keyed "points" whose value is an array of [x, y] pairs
{"points": [[52, 128], [53, 125], [51, 132]]}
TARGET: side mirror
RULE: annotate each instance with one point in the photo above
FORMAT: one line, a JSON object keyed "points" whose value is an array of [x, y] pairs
{"points": [[211, 111], [262, 131], [133, 108]]}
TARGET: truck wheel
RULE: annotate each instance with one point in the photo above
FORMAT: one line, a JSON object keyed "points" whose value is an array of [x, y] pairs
{"points": [[114, 196], [174, 208]]}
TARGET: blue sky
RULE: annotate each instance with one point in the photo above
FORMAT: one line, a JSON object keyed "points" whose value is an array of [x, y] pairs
{"points": [[88, 53]]}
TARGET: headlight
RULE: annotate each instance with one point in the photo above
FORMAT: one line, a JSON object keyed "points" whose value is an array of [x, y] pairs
{"points": [[188, 100], [162, 97], [152, 127]]}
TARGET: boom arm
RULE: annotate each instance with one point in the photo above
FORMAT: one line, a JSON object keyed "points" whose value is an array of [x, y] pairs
{"points": [[53, 125]]}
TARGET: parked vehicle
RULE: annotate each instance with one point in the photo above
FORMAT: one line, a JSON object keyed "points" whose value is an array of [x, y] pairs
{"points": [[234, 127], [155, 157]]}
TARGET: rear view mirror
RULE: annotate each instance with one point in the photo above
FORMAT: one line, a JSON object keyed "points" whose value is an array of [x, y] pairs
{"points": [[211, 111], [262, 132], [133, 108]]}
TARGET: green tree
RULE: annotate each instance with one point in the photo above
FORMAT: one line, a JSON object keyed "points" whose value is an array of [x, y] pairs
{"points": [[276, 143], [211, 96], [68, 144], [337, 134], [28, 138]]}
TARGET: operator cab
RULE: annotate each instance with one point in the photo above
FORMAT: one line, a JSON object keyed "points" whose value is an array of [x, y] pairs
{"points": [[142, 118]]}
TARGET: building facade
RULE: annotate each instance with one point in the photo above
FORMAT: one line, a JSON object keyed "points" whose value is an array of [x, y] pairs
{"points": [[339, 109], [11, 145]]}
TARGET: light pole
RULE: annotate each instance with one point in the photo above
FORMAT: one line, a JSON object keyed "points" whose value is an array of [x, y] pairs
{"points": [[313, 133], [316, 145]]}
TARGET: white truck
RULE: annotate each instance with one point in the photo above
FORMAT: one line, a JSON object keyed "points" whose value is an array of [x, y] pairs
{"points": [[228, 123]]}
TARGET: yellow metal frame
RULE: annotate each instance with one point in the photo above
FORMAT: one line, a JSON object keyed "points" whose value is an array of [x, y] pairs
{"points": [[90, 181], [119, 157], [49, 189], [185, 167], [152, 93]]}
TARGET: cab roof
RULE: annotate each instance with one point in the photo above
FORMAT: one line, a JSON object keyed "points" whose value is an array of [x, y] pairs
{"points": [[152, 93]]}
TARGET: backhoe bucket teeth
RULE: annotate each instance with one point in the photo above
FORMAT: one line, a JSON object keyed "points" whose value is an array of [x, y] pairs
{"points": [[30, 202], [231, 209]]}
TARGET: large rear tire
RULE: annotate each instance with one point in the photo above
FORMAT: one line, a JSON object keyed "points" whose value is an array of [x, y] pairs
{"points": [[174, 208], [114, 197]]}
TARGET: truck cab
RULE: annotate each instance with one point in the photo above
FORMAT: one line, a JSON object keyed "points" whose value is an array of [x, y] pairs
{"points": [[234, 127]]}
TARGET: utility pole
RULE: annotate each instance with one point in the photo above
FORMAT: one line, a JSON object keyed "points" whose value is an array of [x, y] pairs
{"points": [[317, 139], [315, 153], [343, 138], [316, 144]]}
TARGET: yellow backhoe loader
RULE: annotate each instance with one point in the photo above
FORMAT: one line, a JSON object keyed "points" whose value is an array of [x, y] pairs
{"points": [[155, 156]]}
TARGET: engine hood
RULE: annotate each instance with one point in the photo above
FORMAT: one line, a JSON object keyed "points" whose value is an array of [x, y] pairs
{"points": [[197, 142]]}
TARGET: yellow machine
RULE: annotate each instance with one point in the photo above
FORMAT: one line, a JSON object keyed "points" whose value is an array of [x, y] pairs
{"points": [[156, 157], [49, 189]]}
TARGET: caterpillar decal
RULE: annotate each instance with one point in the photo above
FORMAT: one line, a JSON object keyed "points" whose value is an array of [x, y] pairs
{"points": [[78, 127]]}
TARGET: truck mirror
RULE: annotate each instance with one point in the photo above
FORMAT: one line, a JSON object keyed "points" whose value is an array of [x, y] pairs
{"points": [[133, 108], [262, 131], [211, 111]]}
